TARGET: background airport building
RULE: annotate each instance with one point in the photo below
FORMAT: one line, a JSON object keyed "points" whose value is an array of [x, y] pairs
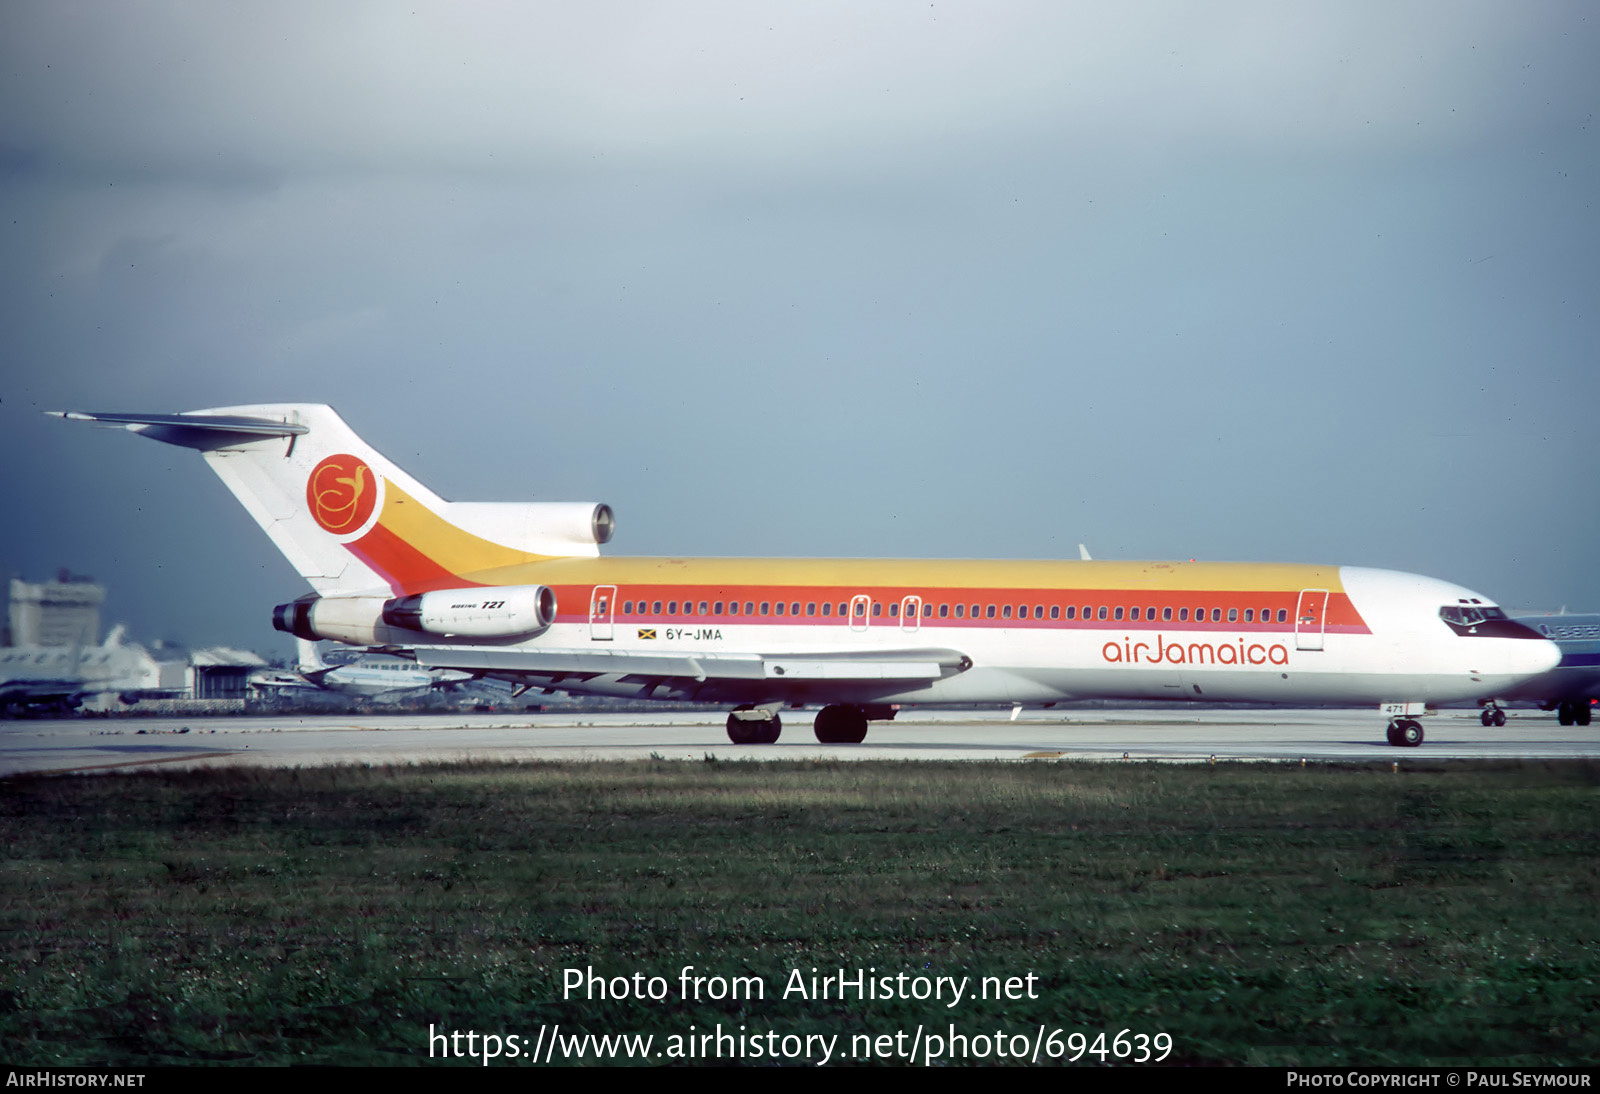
{"points": [[52, 653], [63, 612]]}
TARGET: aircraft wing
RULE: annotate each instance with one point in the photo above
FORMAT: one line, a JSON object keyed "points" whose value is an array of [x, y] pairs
{"points": [[862, 666]]}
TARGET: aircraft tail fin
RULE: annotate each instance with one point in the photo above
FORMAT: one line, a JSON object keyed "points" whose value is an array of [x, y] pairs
{"points": [[350, 520]]}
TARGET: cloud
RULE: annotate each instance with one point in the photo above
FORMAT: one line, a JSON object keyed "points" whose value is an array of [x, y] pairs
{"points": [[239, 95], [1244, 279]]}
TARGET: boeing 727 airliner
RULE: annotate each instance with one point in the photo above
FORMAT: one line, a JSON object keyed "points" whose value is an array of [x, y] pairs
{"points": [[519, 592]]}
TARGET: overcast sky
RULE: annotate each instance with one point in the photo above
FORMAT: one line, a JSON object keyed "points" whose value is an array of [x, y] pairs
{"points": [[1264, 281]]}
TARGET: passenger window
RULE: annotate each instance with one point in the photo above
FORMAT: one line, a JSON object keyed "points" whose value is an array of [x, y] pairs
{"points": [[655, 609], [1102, 612], [1249, 615], [1216, 615], [1150, 613], [733, 607], [702, 607], [894, 610], [944, 611], [627, 607], [811, 608], [750, 608], [672, 607], [961, 611], [844, 608], [1005, 611], [989, 612], [1183, 615], [1038, 611], [765, 604], [927, 611], [794, 608], [1283, 615], [877, 608], [1072, 611], [975, 611], [1233, 615], [716, 609], [827, 609], [1134, 614], [1166, 615], [1055, 611], [1118, 613], [777, 609]]}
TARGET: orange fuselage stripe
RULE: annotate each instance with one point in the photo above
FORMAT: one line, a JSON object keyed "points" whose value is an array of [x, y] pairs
{"points": [[416, 550]]}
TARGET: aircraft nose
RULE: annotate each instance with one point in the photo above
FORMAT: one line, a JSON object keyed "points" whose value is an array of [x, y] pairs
{"points": [[1532, 658]]}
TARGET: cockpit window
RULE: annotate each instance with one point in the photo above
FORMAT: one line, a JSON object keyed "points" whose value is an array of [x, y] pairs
{"points": [[1469, 615]]}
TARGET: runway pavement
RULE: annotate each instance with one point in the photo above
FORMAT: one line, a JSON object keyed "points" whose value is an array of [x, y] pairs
{"points": [[83, 745]]}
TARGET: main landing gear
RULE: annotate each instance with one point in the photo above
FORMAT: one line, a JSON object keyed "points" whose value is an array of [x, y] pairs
{"points": [[754, 726], [1492, 715], [1574, 712], [1405, 733], [841, 725]]}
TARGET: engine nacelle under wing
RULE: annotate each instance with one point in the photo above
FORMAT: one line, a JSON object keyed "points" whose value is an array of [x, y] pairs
{"points": [[506, 611]]}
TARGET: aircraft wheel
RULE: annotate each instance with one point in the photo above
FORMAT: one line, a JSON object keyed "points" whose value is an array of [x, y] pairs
{"points": [[841, 725], [1393, 734], [1410, 733], [1499, 717], [1581, 712], [767, 732], [1487, 717], [743, 732], [1564, 713]]}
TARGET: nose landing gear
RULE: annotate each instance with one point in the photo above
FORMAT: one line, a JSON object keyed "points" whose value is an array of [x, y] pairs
{"points": [[1404, 730], [1405, 733], [1492, 715]]}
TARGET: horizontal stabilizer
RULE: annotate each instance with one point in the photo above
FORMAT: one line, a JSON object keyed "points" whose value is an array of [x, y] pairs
{"points": [[200, 431], [347, 518]]}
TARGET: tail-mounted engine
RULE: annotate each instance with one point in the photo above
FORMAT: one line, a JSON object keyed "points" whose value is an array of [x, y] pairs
{"points": [[506, 611]]}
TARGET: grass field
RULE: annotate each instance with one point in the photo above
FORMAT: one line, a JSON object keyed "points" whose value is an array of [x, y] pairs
{"points": [[1256, 913]]}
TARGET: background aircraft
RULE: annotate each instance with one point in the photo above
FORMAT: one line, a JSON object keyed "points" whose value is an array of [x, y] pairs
{"points": [[65, 677], [374, 677], [1570, 687]]}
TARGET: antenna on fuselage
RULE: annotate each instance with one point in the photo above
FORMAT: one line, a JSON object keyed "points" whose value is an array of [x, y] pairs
{"points": [[1083, 553]]}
